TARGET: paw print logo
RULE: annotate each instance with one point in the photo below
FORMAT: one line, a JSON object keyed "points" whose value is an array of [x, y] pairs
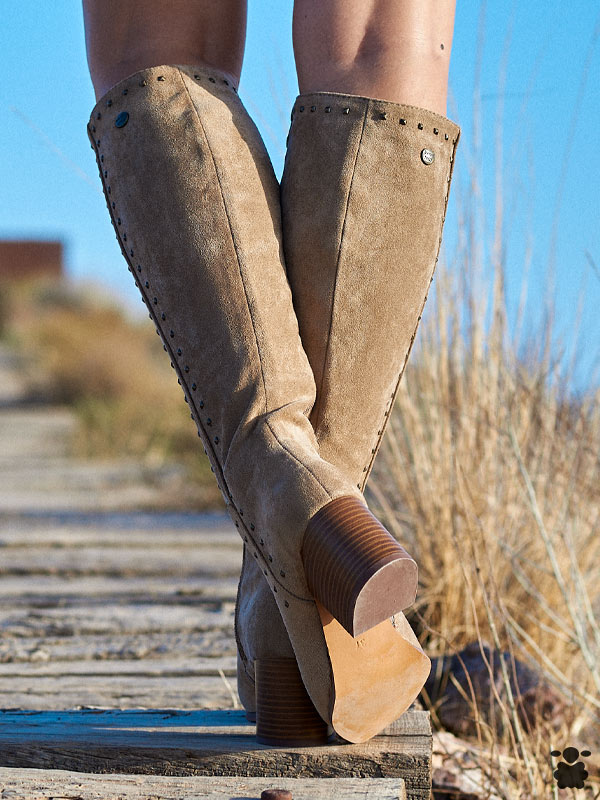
{"points": [[569, 774]]}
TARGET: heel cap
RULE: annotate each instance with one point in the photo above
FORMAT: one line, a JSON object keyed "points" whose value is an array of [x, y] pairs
{"points": [[354, 566]]}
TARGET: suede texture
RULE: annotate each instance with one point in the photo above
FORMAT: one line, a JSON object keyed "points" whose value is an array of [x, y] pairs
{"points": [[195, 205], [362, 213]]}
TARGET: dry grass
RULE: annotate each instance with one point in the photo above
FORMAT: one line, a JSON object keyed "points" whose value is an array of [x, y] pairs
{"points": [[490, 471], [115, 375]]}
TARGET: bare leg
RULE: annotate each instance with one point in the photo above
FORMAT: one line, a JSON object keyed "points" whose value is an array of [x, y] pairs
{"points": [[124, 36], [396, 50]]}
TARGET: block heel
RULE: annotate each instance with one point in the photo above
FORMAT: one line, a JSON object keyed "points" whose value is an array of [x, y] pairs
{"points": [[355, 568], [285, 714]]}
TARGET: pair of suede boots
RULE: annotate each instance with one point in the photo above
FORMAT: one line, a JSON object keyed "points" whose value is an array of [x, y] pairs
{"points": [[288, 313]]}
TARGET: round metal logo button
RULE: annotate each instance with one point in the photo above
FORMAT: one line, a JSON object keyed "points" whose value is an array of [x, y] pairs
{"points": [[121, 120], [427, 156]]}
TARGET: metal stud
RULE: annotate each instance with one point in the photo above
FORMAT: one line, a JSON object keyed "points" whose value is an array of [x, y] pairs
{"points": [[313, 108], [155, 300], [241, 513], [171, 334], [446, 136], [301, 108], [251, 526], [201, 403], [420, 126], [108, 189], [118, 220], [131, 252], [124, 237], [208, 421], [147, 284], [194, 389], [402, 121], [163, 316], [179, 351], [383, 115], [270, 558], [255, 555], [226, 82], [93, 129], [435, 130], [160, 78], [287, 605], [98, 115], [282, 573], [346, 111], [265, 571], [113, 204], [143, 83], [109, 103], [262, 541], [125, 91], [197, 77], [327, 109], [212, 80], [102, 157], [98, 142], [139, 268], [274, 588], [216, 440]]}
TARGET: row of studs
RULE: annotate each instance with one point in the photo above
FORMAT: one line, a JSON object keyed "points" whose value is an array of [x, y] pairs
{"points": [[186, 369], [367, 468], [381, 115], [144, 82]]}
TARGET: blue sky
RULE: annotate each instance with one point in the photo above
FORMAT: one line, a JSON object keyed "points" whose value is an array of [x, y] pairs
{"points": [[548, 53]]}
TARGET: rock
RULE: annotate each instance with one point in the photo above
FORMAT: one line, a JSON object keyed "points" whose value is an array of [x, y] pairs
{"points": [[538, 698]]}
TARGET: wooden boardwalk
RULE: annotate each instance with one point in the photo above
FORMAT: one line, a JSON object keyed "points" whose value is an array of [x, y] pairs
{"points": [[117, 642]]}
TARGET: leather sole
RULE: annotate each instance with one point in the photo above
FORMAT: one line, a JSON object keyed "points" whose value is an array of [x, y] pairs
{"points": [[354, 566]]}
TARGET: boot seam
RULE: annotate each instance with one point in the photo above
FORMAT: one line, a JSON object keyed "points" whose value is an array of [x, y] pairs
{"points": [[235, 247], [241, 274], [319, 404]]}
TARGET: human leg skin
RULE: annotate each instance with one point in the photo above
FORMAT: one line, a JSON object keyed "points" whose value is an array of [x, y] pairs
{"points": [[397, 50], [124, 36], [195, 206]]}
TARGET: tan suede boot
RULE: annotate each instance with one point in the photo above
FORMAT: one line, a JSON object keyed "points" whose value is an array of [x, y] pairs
{"points": [[364, 194], [195, 205]]}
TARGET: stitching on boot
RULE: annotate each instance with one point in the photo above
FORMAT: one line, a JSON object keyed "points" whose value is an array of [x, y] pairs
{"points": [[318, 403]]}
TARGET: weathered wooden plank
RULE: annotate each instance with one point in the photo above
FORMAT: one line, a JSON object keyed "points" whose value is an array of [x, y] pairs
{"points": [[25, 784], [48, 590], [189, 645], [53, 694], [117, 529], [201, 742], [166, 667], [127, 561], [114, 618]]}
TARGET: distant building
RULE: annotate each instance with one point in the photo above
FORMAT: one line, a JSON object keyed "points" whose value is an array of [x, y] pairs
{"points": [[28, 258]]}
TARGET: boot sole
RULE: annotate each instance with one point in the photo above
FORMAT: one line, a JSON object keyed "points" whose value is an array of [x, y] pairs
{"points": [[374, 679], [355, 568], [285, 715]]}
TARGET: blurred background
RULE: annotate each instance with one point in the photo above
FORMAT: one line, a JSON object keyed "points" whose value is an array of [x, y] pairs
{"points": [[490, 469]]}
